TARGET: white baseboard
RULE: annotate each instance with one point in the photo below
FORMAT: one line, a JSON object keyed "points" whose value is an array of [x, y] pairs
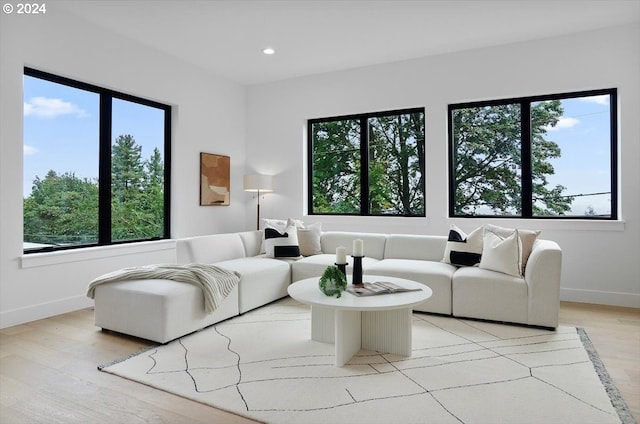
{"points": [[628, 300], [43, 310]]}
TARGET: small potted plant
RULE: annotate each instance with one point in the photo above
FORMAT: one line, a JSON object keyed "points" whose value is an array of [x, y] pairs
{"points": [[333, 282]]}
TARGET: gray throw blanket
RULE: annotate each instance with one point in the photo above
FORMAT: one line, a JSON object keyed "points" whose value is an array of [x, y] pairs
{"points": [[216, 283]]}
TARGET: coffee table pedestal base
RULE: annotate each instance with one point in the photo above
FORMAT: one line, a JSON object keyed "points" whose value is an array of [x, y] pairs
{"points": [[385, 331]]}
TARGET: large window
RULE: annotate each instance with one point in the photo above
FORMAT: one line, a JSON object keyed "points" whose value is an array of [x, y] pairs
{"points": [[368, 164], [96, 165], [544, 156]]}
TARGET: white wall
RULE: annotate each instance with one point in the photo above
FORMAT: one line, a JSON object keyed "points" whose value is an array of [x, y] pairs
{"points": [[600, 258], [209, 116]]}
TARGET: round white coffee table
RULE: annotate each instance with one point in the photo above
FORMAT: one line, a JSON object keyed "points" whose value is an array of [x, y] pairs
{"points": [[381, 323]]}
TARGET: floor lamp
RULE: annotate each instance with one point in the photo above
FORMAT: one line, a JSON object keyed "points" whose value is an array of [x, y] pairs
{"points": [[258, 183]]}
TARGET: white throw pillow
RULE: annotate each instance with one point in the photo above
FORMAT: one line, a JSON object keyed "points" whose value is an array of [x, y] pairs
{"points": [[527, 237], [279, 224], [309, 239], [502, 254], [280, 243], [463, 249]]}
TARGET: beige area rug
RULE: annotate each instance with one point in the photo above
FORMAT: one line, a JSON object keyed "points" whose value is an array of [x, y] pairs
{"points": [[263, 365]]}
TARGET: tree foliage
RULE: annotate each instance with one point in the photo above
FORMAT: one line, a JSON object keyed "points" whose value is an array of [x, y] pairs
{"points": [[63, 209], [336, 167], [396, 165], [136, 192], [488, 163]]}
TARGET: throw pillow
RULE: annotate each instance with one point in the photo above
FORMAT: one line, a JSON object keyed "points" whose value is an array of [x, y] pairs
{"points": [[278, 224], [463, 249], [281, 243], [527, 237], [309, 239], [502, 254]]}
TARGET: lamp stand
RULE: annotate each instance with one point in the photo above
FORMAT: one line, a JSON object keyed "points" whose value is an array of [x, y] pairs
{"points": [[258, 212], [258, 183]]}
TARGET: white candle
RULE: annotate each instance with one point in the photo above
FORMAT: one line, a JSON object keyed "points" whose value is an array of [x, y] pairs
{"points": [[358, 248], [341, 255]]}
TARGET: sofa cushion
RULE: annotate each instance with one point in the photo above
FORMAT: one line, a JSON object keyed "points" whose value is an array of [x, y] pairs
{"points": [[436, 275], [252, 241], [206, 249], [502, 254], [406, 246], [262, 280], [314, 266], [485, 294], [373, 243], [463, 249]]}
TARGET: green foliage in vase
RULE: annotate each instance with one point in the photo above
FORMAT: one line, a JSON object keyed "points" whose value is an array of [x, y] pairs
{"points": [[333, 281]]}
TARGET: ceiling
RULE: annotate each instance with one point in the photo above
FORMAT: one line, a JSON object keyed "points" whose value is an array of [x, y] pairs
{"points": [[316, 36]]}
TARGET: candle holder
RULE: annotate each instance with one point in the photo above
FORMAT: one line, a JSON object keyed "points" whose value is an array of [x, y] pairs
{"points": [[357, 270], [342, 268]]}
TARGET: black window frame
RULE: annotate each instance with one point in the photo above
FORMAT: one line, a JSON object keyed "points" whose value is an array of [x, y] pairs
{"points": [[364, 160], [104, 161], [525, 130]]}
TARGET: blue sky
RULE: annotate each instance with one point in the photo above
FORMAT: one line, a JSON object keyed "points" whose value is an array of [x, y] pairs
{"points": [[61, 133], [61, 129], [584, 167]]}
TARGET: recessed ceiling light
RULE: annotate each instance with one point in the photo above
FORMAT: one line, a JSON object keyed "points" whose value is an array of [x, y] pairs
{"points": [[268, 51]]}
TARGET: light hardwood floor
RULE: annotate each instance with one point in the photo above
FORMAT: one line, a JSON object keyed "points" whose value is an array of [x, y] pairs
{"points": [[48, 371]]}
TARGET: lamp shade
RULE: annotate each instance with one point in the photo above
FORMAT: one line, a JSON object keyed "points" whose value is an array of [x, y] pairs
{"points": [[258, 182]]}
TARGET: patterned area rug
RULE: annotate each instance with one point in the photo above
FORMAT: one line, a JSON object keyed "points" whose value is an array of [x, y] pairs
{"points": [[263, 365]]}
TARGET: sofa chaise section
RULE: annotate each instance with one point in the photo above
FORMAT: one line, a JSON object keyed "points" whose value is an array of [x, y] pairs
{"points": [[158, 310], [163, 310]]}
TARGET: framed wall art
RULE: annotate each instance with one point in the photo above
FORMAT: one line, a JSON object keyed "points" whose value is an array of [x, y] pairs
{"points": [[215, 173]]}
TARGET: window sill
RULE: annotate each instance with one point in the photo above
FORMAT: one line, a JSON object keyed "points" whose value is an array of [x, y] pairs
{"points": [[548, 224], [67, 256]]}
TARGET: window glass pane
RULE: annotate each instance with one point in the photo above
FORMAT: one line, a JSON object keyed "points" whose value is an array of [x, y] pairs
{"points": [[396, 164], [336, 166], [137, 171], [60, 186], [487, 160], [576, 146]]}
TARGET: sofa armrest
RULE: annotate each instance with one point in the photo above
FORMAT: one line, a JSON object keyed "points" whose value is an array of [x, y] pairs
{"points": [[543, 275]]}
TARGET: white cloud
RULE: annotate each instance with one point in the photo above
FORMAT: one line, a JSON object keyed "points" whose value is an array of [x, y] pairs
{"points": [[44, 107], [600, 100], [29, 150], [563, 122]]}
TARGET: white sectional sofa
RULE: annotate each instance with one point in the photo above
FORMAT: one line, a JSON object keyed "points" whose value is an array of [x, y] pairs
{"points": [[162, 310]]}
